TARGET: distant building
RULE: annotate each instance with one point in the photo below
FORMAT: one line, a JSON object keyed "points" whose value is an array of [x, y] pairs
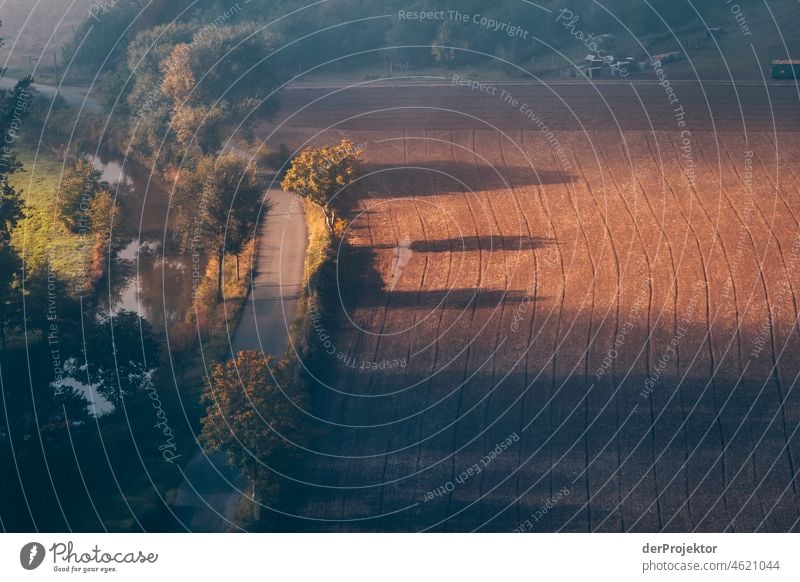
{"points": [[590, 71], [596, 66], [665, 57], [623, 67], [786, 69]]}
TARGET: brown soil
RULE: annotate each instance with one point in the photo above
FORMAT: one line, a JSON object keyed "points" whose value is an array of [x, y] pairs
{"points": [[490, 271]]}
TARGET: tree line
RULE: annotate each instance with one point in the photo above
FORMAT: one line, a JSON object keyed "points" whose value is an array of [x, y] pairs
{"points": [[55, 337], [184, 88], [365, 31]]}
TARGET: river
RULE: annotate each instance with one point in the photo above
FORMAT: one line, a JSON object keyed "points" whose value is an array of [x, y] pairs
{"points": [[145, 278]]}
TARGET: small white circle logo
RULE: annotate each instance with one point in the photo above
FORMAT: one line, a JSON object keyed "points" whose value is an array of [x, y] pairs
{"points": [[31, 555]]}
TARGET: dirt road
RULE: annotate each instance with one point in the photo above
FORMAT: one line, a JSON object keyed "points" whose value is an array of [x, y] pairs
{"points": [[207, 500], [73, 96]]}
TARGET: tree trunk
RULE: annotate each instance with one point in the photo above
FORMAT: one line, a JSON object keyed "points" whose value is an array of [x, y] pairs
{"points": [[220, 257], [98, 265], [330, 217], [256, 506]]}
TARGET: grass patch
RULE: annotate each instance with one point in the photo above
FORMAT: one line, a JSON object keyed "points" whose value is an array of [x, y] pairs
{"points": [[317, 263], [41, 237]]}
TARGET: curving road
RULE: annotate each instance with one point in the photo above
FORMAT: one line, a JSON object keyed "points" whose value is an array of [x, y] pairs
{"points": [[210, 494], [277, 280]]}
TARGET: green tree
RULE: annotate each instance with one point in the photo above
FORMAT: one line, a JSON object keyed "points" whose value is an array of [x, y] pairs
{"points": [[146, 54], [320, 174], [232, 66], [104, 217], [149, 105], [78, 188], [14, 108], [217, 203], [120, 353], [253, 413], [215, 79], [9, 298], [100, 42]]}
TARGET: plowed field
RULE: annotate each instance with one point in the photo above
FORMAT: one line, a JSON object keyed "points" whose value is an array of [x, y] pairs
{"points": [[578, 315]]}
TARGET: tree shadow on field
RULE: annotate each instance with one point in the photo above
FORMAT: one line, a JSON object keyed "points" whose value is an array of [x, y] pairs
{"points": [[430, 424], [459, 299], [476, 243], [432, 177], [361, 285]]}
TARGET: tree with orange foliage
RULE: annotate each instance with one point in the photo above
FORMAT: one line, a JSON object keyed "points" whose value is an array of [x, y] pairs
{"points": [[217, 202], [321, 174], [254, 414]]}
